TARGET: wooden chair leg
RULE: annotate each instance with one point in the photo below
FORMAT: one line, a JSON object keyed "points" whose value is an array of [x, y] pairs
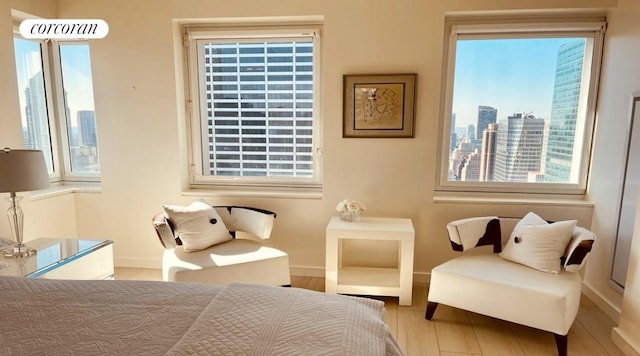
{"points": [[431, 308], [561, 344]]}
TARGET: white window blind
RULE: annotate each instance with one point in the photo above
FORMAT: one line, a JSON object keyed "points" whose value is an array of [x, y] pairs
{"points": [[256, 105]]}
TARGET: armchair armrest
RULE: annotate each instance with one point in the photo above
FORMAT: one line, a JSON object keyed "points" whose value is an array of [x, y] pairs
{"points": [[242, 219], [468, 233], [577, 250], [164, 231]]}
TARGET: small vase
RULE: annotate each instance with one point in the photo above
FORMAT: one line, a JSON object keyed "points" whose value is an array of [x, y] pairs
{"points": [[349, 216]]}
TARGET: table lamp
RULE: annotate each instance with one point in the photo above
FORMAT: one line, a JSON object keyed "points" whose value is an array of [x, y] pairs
{"points": [[20, 171]]}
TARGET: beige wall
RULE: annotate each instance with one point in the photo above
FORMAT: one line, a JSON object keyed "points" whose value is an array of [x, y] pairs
{"points": [[140, 138], [620, 79]]}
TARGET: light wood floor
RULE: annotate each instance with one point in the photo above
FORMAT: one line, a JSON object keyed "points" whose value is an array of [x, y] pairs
{"points": [[456, 332]]}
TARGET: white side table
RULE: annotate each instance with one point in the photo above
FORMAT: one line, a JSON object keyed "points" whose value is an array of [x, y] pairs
{"points": [[370, 280]]}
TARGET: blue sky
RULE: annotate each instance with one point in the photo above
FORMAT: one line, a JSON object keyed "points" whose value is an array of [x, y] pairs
{"points": [[510, 75], [76, 69]]}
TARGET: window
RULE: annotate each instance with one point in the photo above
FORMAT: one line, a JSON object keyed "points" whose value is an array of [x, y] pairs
{"points": [[254, 112], [81, 145], [519, 104], [34, 102], [57, 111]]}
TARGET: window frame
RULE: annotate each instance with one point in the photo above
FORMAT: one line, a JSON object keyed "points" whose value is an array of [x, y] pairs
{"points": [[197, 145], [54, 99], [45, 58], [68, 174], [497, 27]]}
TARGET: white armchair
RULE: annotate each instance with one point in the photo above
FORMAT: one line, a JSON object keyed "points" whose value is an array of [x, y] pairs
{"points": [[491, 285], [242, 258]]}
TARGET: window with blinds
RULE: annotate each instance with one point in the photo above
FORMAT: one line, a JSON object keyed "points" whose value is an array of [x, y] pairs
{"points": [[255, 104]]}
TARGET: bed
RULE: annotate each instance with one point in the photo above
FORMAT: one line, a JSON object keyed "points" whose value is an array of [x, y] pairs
{"points": [[63, 317]]}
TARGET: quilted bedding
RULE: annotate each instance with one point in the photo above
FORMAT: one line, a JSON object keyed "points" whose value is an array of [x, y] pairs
{"points": [[61, 317]]}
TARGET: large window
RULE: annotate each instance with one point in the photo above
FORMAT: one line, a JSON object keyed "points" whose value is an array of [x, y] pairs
{"points": [[56, 101], [519, 103], [254, 112]]}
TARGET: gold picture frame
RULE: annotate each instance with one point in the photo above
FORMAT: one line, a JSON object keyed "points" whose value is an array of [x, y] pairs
{"points": [[379, 105]]}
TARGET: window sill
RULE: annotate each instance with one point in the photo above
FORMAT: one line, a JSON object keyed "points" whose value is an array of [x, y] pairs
{"points": [[577, 201], [59, 189], [254, 191]]}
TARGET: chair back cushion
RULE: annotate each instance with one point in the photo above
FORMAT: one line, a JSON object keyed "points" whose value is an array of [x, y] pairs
{"points": [[472, 232], [239, 222]]}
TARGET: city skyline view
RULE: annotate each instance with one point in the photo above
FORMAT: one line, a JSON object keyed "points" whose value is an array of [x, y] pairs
{"points": [[516, 112], [75, 107], [76, 70]]}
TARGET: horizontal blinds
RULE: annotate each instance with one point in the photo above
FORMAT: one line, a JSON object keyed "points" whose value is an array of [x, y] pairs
{"points": [[259, 107]]}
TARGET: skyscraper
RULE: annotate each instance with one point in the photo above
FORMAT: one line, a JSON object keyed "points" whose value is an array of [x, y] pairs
{"points": [[87, 127], [453, 137], [486, 115], [559, 164], [37, 135], [519, 148], [459, 158], [471, 132], [470, 172], [488, 153]]}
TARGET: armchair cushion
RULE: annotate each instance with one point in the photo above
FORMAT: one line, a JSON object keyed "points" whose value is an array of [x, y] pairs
{"points": [[197, 225], [538, 244], [490, 285]]}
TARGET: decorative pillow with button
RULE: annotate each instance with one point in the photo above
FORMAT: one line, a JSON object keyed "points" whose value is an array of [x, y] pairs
{"points": [[538, 244], [198, 225]]}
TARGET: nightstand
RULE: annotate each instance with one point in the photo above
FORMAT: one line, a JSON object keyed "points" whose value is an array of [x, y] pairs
{"points": [[63, 259], [370, 280]]}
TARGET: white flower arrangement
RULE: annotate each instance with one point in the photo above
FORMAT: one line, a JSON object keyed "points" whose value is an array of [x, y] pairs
{"points": [[350, 209]]}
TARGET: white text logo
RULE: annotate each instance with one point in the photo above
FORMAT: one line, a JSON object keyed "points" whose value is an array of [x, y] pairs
{"points": [[63, 29]]}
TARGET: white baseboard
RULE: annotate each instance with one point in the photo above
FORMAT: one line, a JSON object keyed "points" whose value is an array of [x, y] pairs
{"points": [[624, 342], [137, 263], [309, 271], [602, 302]]}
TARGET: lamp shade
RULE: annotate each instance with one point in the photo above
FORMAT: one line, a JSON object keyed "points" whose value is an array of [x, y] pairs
{"points": [[22, 170]]}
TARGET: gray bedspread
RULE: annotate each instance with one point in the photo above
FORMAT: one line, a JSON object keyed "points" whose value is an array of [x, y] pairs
{"points": [[61, 317]]}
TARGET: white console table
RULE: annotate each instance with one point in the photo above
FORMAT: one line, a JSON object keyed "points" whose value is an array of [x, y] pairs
{"points": [[370, 280], [63, 259]]}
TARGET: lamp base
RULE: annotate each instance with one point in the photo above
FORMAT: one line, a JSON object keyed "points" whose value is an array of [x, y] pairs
{"points": [[19, 251]]}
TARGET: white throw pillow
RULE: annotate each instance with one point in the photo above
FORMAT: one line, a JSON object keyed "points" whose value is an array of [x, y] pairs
{"points": [[198, 225], [538, 244]]}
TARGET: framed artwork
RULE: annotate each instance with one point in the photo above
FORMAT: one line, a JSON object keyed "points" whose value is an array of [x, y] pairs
{"points": [[378, 105]]}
